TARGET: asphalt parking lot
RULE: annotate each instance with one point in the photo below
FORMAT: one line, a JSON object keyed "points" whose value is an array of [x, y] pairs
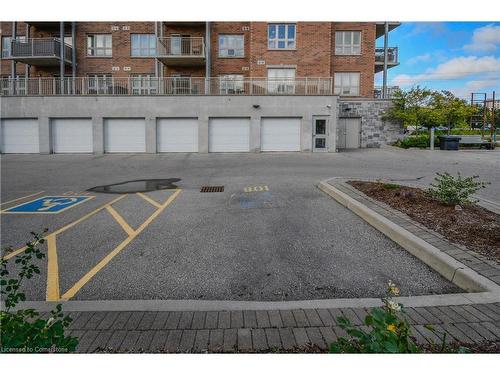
{"points": [[271, 235]]}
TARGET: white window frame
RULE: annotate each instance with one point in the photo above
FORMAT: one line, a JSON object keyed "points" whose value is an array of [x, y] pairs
{"points": [[345, 83], [273, 43], [143, 49], [100, 83], [281, 81], [92, 45], [144, 84], [231, 84], [232, 43], [346, 45]]}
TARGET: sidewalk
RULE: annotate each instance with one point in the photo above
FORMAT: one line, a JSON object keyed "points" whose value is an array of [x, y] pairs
{"points": [[256, 331]]}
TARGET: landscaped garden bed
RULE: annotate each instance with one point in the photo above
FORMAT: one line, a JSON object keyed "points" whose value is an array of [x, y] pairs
{"points": [[469, 224]]}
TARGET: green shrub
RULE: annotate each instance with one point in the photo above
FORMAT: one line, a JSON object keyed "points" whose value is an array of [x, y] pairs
{"points": [[391, 186], [22, 330], [455, 190], [388, 332], [420, 141]]}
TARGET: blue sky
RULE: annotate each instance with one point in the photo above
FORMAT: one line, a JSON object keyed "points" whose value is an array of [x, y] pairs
{"points": [[462, 57]]}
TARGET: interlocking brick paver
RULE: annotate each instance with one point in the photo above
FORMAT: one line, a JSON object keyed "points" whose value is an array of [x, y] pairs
{"points": [[262, 319], [478, 314], [187, 340], [442, 334], [300, 335], [129, 341], [185, 320], [147, 320], [211, 319], [457, 333], [158, 340], [469, 331], [300, 318], [134, 320], [116, 339], [121, 320], [353, 318], [486, 310], [287, 318], [108, 320], [328, 335], [428, 316], [287, 338], [335, 313], [216, 340], [93, 322], [224, 319], [492, 327], [173, 320], [275, 318], [463, 312], [273, 338], [160, 320], [198, 320], [417, 336], [326, 318], [315, 337], [86, 340], [249, 319], [244, 339], [259, 340], [144, 340], [173, 340], [436, 312], [313, 318], [339, 332], [201, 340], [237, 319], [230, 340], [415, 316], [100, 341], [81, 320], [427, 333], [483, 331], [452, 314]]}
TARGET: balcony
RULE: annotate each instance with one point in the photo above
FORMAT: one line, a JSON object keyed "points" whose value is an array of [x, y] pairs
{"points": [[392, 58], [181, 51], [140, 86], [391, 90], [39, 51]]}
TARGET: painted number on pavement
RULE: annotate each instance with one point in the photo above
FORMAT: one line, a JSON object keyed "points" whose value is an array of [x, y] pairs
{"points": [[256, 189]]}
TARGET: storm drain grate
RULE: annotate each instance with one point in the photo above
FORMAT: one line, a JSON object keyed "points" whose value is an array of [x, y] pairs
{"points": [[212, 189]]}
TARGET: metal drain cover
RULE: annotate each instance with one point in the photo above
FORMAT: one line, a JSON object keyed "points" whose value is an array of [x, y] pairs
{"points": [[212, 189]]}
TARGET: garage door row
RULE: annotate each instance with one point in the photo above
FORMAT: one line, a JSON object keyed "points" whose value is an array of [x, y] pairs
{"points": [[129, 135]]}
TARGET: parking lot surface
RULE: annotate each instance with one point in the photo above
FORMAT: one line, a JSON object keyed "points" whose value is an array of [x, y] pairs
{"points": [[270, 235]]}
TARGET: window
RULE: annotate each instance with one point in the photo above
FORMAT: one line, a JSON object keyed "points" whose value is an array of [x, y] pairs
{"points": [[232, 84], [281, 81], [143, 45], [7, 46], [231, 46], [100, 83], [99, 45], [348, 43], [144, 84], [346, 84], [281, 36]]}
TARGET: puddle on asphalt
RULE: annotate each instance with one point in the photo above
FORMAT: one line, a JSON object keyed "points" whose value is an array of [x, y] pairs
{"points": [[137, 186]]}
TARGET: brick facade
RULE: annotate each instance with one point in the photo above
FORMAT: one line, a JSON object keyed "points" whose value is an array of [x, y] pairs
{"points": [[313, 56]]}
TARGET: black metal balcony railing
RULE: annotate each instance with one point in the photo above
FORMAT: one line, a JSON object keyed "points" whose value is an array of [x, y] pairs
{"points": [[39, 48], [392, 55], [84, 86]]}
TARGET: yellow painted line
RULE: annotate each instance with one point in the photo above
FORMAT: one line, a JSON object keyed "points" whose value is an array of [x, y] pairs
{"points": [[148, 199], [120, 220], [66, 227], [26, 196], [53, 293], [99, 266]]}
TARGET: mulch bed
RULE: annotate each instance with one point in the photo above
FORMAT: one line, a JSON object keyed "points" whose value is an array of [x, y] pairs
{"points": [[474, 227]]}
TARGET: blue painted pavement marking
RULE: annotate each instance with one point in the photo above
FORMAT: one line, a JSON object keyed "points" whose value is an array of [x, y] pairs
{"points": [[48, 205]]}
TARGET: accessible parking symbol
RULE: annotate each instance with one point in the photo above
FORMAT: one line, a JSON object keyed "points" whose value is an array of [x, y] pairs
{"points": [[47, 205]]}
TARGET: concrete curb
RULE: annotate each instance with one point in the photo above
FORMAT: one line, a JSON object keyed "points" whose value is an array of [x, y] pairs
{"points": [[453, 270]]}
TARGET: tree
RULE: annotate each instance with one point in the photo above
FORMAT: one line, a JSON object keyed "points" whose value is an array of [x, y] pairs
{"points": [[451, 111]]}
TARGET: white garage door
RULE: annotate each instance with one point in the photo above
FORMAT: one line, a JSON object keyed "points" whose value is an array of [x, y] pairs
{"points": [[71, 135], [177, 135], [280, 134], [124, 135], [229, 135], [19, 136]]}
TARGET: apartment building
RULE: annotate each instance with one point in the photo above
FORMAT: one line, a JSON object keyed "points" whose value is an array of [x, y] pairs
{"points": [[235, 68]]}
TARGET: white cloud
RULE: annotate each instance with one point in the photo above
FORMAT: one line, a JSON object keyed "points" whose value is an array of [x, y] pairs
{"points": [[484, 39], [456, 68], [420, 58], [480, 85]]}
